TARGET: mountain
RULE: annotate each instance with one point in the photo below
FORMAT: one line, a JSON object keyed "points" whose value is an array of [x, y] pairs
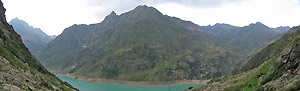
{"points": [[246, 38], [19, 70], [33, 38], [279, 69], [281, 29], [139, 45]]}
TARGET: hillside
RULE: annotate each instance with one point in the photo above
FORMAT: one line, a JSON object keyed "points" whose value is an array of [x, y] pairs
{"points": [[139, 45], [269, 51], [33, 38], [19, 70], [279, 70]]}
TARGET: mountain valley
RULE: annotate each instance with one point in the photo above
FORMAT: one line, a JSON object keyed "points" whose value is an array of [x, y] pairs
{"points": [[145, 45]]}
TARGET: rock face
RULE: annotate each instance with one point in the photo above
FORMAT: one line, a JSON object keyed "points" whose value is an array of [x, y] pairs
{"points": [[33, 38], [286, 70], [139, 45], [19, 70], [280, 72]]}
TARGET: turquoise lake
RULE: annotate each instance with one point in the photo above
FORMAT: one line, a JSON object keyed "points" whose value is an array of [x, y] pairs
{"points": [[93, 86]]}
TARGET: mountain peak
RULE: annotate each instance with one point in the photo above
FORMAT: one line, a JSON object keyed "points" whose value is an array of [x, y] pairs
{"points": [[258, 24], [17, 20], [111, 18], [145, 9], [142, 7], [142, 12], [221, 24], [113, 13]]}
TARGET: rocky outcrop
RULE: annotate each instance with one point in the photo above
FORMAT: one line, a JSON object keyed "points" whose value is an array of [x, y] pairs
{"points": [[288, 68]]}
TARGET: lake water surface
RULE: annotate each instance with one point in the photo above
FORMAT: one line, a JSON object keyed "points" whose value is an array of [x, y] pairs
{"points": [[94, 86]]}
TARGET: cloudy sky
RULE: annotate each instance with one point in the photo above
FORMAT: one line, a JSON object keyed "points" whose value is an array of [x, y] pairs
{"points": [[53, 16]]}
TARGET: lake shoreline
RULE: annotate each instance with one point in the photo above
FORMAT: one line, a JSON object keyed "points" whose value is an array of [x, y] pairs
{"points": [[134, 83]]}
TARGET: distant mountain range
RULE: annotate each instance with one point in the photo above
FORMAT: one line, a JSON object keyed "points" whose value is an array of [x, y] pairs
{"points": [[281, 29], [33, 38], [244, 38], [19, 70], [145, 45]]}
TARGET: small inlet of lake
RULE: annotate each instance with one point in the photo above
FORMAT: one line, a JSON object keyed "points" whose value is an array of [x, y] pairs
{"points": [[95, 86]]}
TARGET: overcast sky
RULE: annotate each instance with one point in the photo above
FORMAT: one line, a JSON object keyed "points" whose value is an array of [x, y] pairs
{"points": [[53, 16]]}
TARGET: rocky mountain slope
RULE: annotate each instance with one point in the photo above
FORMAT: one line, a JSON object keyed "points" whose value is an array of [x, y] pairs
{"points": [[139, 45], [280, 69], [33, 38], [276, 46], [19, 70]]}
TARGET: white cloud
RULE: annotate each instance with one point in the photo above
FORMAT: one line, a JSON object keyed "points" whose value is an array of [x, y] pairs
{"points": [[52, 16]]}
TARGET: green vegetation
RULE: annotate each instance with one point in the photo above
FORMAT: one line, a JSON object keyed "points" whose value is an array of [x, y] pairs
{"points": [[253, 82]]}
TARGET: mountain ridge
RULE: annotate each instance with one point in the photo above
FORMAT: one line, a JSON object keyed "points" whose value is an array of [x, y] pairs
{"points": [[33, 38], [246, 38]]}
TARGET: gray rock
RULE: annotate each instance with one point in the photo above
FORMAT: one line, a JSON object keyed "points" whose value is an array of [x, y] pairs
{"points": [[10, 87]]}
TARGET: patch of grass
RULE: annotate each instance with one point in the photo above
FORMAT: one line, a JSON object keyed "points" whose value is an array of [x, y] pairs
{"points": [[273, 76], [37, 87], [5, 71], [120, 51], [253, 82]]}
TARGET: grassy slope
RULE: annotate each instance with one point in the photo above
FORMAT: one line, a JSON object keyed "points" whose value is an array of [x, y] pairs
{"points": [[16, 56]]}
